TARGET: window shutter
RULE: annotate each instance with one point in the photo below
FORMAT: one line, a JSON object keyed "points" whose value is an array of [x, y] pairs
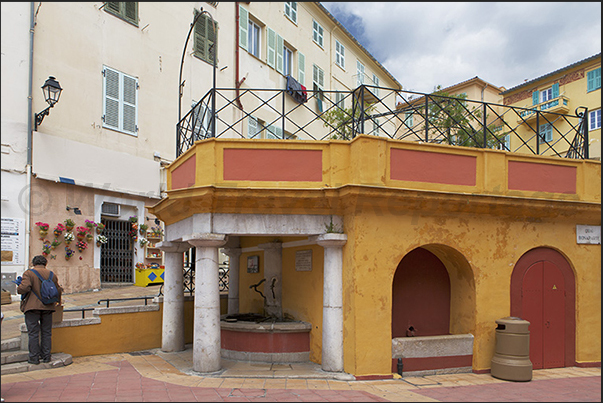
{"points": [[279, 53], [211, 39], [301, 64], [555, 90], [243, 27], [130, 85], [271, 47], [359, 73], [200, 42], [593, 80], [131, 11], [535, 97], [113, 6], [294, 11], [252, 127], [111, 95]]}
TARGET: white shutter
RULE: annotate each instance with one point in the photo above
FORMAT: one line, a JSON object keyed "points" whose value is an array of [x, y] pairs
{"points": [[243, 27], [279, 53], [271, 41], [129, 105], [301, 64], [252, 127], [111, 94], [359, 73], [294, 11]]}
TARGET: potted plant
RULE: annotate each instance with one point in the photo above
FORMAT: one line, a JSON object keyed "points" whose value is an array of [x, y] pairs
{"points": [[89, 237], [156, 232], [140, 266], [43, 228], [100, 240], [143, 241], [133, 219], [69, 237], [90, 224], [81, 232], [100, 227], [58, 230], [55, 243], [46, 248], [143, 229], [69, 224], [68, 253], [81, 245]]}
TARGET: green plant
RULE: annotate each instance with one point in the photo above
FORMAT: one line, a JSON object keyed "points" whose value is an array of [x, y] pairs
{"points": [[332, 228], [69, 223], [341, 120]]}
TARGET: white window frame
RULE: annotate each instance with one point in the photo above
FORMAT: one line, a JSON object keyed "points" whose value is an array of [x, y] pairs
{"points": [[546, 95], [359, 73], [254, 38], [318, 33], [120, 103], [291, 11], [376, 84], [408, 118], [339, 54], [594, 119], [287, 61], [340, 100]]}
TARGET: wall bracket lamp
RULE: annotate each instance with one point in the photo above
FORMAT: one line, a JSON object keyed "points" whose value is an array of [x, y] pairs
{"points": [[52, 91], [76, 210]]}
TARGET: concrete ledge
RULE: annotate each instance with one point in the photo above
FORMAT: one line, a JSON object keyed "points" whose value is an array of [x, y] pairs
{"points": [[11, 344], [266, 327], [265, 357], [125, 309], [432, 346], [57, 360]]}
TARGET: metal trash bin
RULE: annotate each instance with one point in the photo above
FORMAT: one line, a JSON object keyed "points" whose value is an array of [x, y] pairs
{"points": [[511, 360]]}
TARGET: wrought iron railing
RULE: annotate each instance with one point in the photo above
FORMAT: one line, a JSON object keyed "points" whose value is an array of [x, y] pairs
{"points": [[403, 115]]}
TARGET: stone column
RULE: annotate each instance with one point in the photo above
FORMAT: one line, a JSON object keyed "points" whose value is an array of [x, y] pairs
{"points": [[206, 333], [332, 311], [172, 336], [273, 273], [234, 255]]}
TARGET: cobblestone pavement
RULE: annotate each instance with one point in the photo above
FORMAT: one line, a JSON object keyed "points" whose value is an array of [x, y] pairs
{"points": [[168, 377]]}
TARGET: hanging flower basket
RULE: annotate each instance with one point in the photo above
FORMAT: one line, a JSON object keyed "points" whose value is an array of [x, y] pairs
{"points": [[133, 219], [46, 248], [143, 241], [100, 240], [89, 237], [90, 224], [100, 227], [69, 224], [81, 246], [69, 253], [81, 232], [43, 228], [69, 237], [58, 230], [54, 244]]}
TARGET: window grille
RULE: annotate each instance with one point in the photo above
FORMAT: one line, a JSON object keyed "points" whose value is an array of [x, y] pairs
{"points": [[117, 255]]}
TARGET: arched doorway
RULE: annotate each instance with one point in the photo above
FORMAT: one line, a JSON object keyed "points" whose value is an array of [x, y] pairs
{"points": [[543, 293], [421, 296]]}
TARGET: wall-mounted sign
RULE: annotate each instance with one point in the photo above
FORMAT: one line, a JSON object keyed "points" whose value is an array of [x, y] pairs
{"points": [[588, 234], [253, 264], [13, 240], [303, 260]]}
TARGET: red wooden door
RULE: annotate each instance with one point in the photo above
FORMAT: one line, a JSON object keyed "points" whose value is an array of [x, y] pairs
{"points": [[543, 305]]}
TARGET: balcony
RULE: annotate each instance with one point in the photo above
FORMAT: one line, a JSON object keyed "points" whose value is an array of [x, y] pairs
{"points": [[557, 105]]}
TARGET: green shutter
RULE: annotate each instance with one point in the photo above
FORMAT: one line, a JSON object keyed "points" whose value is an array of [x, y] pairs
{"points": [[555, 90], [113, 6], [535, 97], [271, 41], [211, 39], [243, 28], [131, 11], [200, 39], [301, 65], [279, 53]]}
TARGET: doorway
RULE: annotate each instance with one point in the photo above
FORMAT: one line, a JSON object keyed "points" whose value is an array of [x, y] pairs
{"points": [[542, 292], [117, 255]]}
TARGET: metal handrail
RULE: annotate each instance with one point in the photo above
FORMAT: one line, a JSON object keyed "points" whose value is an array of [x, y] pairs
{"points": [[109, 300], [442, 119]]}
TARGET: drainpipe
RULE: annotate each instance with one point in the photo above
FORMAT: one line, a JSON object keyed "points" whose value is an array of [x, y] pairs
{"points": [[237, 30], [28, 167], [484, 89]]}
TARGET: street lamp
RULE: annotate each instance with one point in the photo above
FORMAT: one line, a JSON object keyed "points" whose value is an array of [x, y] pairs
{"points": [[52, 92]]}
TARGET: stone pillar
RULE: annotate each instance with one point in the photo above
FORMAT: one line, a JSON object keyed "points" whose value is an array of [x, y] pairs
{"points": [[273, 273], [206, 333], [332, 311], [234, 255], [172, 336]]}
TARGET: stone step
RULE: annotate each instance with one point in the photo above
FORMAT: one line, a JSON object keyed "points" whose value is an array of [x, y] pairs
{"points": [[11, 344], [11, 356], [57, 360]]}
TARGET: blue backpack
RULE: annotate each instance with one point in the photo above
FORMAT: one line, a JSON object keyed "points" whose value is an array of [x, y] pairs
{"points": [[48, 290]]}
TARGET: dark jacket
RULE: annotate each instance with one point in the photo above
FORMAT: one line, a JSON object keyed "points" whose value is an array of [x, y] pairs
{"points": [[30, 280]]}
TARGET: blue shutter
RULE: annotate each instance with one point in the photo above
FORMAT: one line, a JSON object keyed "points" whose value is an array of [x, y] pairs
{"points": [[555, 90], [535, 97], [593, 80]]}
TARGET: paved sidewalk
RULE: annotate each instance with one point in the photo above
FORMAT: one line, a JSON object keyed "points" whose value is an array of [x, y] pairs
{"points": [[168, 377]]}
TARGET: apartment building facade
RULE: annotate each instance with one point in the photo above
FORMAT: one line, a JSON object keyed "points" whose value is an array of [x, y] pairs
{"points": [[574, 89]]}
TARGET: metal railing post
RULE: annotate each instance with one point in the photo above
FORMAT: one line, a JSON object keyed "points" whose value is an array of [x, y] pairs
{"points": [[537, 132], [484, 126], [426, 119], [283, 114]]}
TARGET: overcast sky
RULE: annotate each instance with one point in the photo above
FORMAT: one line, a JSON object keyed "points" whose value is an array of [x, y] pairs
{"points": [[427, 44]]}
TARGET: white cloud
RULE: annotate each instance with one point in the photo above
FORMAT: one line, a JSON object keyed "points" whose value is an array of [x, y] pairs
{"points": [[426, 44]]}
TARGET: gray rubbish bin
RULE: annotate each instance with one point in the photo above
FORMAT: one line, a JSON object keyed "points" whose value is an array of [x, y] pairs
{"points": [[511, 360]]}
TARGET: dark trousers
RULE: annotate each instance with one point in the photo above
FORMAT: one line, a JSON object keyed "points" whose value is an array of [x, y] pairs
{"points": [[39, 324]]}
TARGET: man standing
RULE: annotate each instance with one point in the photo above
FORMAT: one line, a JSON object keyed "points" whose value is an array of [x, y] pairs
{"points": [[38, 316]]}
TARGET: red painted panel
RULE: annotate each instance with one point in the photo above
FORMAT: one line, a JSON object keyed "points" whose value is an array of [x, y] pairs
{"points": [[423, 166], [554, 316], [184, 175], [272, 165], [265, 342], [427, 363], [533, 311], [542, 177], [421, 295]]}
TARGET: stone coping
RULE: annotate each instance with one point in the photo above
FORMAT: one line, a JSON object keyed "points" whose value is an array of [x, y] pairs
{"points": [[68, 323], [432, 346], [125, 309], [266, 327]]}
